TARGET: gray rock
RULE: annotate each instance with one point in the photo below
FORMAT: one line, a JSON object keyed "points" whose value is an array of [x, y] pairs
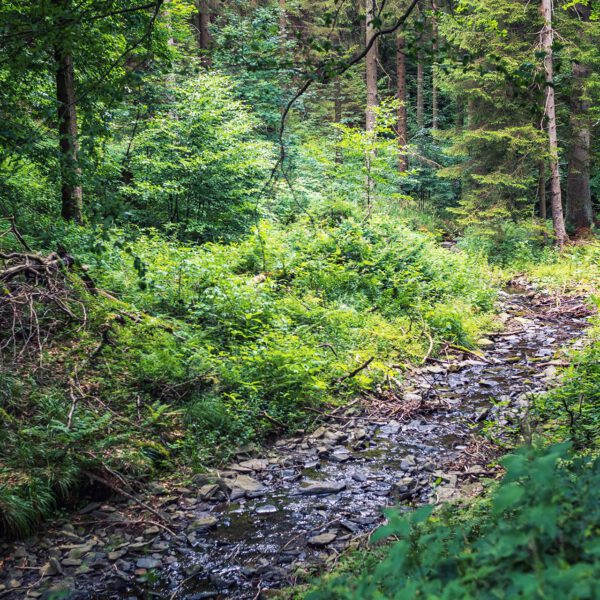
{"points": [[322, 540], [322, 487], [206, 492], [341, 456], [256, 464], [247, 484], [266, 509], [70, 562], [203, 524], [147, 563]]}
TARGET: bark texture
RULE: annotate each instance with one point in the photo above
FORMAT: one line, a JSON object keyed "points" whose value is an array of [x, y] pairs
{"points": [[70, 171], [371, 67], [434, 87], [420, 94], [204, 38], [547, 38], [580, 212], [402, 124]]}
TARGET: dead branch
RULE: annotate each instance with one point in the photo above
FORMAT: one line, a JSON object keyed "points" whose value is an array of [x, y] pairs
{"points": [[356, 371], [118, 490]]}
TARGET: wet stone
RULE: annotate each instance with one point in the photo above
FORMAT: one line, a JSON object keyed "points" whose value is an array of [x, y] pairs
{"points": [[266, 509]]}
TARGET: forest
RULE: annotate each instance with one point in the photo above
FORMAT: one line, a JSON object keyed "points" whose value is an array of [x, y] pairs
{"points": [[298, 299]]}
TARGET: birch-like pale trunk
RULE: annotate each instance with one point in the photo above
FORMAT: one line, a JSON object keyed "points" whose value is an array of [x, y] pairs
{"points": [[547, 38]]}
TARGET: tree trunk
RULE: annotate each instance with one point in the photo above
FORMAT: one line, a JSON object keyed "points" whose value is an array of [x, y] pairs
{"points": [[371, 78], [542, 190], [371, 66], [579, 197], [434, 87], [547, 37], [204, 39], [282, 19], [420, 94], [401, 95], [70, 171]]}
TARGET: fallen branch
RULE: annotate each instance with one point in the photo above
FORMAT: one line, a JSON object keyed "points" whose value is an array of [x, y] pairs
{"points": [[273, 420], [356, 371], [121, 491], [469, 352]]}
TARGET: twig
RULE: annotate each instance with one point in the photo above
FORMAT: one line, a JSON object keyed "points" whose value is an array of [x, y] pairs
{"points": [[470, 352], [121, 491], [273, 420], [356, 371]]}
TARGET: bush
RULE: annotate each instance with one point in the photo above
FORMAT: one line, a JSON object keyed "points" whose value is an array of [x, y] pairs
{"points": [[572, 410]]}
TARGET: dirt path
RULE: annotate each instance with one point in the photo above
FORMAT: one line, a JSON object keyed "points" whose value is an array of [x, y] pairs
{"points": [[240, 532]]}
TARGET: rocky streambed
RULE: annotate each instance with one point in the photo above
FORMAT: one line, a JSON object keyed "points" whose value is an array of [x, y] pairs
{"points": [[254, 527]]}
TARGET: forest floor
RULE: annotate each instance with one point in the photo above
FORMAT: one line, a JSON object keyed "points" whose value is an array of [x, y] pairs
{"points": [[276, 516]]}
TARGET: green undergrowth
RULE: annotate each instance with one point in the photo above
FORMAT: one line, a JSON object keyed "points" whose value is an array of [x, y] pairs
{"points": [[572, 410], [191, 352], [535, 536]]}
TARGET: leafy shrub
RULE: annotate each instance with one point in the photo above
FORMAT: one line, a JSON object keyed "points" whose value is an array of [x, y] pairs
{"points": [[536, 538], [197, 163], [573, 409]]}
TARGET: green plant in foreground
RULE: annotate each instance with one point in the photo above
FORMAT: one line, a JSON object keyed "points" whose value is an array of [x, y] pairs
{"points": [[537, 537]]}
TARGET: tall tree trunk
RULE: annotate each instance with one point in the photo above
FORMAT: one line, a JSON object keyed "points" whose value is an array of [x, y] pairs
{"points": [[579, 197], [401, 96], [70, 170], [204, 39], [542, 189], [282, 19], [547, 36], [434, 87], [420, 93], [371, 79], [371, 66]]}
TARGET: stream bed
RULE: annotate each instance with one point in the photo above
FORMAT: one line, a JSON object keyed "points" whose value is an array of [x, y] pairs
{"points": [[256, 526]]}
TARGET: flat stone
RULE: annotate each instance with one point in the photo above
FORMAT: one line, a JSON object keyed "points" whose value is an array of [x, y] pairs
{"points": [[202, 524], [70, 562], [322, 540], [340, 456], [255, 464], [485, 343], [322, 487], [266, 509], [147, 563], [208, 491], [246, 483]]}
